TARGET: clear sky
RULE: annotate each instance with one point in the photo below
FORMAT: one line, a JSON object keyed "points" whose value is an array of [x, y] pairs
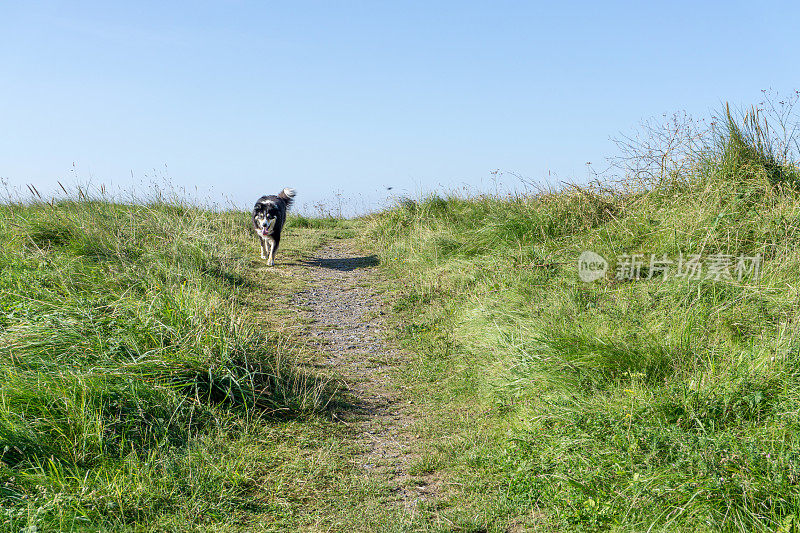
{"points": [[236, 99]]}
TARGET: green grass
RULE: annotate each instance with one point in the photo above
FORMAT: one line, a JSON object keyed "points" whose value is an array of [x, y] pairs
{"points": [[147, 385], [139, 387], [649, 405]]}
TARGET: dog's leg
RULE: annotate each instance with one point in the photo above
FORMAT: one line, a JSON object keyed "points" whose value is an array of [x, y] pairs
{"points": [[274, 242], [271, 260], [263, 247]]}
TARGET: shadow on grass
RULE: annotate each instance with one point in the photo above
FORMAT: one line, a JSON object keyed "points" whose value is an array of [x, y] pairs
{"points": [[342, 264]]}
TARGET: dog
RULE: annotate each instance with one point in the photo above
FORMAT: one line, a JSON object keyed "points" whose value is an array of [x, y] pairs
{"points": [[269, 216]]}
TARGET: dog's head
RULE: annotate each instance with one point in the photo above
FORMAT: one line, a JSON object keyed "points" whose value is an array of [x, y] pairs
{"points": [[265, 214]]}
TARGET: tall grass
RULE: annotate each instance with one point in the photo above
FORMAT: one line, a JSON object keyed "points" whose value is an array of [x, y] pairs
{"points": [[133, 374], [655, 404]]}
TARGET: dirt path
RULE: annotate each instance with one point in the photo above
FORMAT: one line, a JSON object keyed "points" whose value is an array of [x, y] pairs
{"points": [[347, 324]]}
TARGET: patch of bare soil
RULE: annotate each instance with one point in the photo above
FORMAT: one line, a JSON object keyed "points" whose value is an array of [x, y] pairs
{"points": [[347, 325]]}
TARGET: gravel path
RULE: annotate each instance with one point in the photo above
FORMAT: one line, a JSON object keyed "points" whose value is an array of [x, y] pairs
{"points": [[348, 327]]}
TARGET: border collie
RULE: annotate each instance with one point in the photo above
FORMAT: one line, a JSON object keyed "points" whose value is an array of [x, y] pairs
{"points": [[269, 215]]}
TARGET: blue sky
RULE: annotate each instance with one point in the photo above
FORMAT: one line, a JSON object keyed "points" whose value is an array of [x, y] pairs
{"points": [[236, 99]]}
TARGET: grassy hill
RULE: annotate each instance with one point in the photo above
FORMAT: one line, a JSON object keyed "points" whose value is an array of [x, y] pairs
{"points": [[153, 377], [637, 403], [141, 385]]}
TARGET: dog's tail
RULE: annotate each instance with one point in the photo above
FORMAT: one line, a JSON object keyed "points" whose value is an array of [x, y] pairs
{"points": [[287, 195]]}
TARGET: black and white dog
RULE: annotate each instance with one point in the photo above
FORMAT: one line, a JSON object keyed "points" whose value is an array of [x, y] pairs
{"points": [[269, 215]]}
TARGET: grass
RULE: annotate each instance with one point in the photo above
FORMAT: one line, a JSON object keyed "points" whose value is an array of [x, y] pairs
{"points": [[148, 384], [657, 404], [140, 386]]}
